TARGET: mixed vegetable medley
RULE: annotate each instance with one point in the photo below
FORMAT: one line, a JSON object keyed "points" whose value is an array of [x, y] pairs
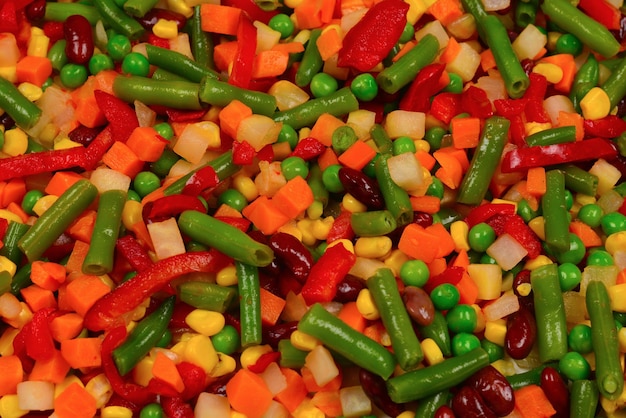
{"points": [[312, 208]]}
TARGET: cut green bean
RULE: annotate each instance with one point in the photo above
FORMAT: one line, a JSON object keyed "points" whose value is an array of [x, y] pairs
{"points": [[529, 377], [175, 94], [291, 356], [59, 12], [615, 84], [586, 78], [373, 223], [320, 193], [584, 397], [438, 331], [51, 224], [249, 303], [178, 64], [226, 238], [549, 313], [201, 41], [138, 8], [381, 139], [5, 282], [554, 210], [207, 295], [99, 258], [579, 180], [427, 407], [311, 62], [163, 75], [11, 250], [223, 165], [115, 17], [21, 279], [220, 93], [526, 13], [24, 112], [552, 136], [396, 198]]}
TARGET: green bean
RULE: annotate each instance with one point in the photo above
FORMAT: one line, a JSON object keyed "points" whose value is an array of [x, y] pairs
{"points": [[554, 211], [373, 223], [206, 295], [57, 55], [250, 303], [427, 381], [311, 62], [405, 69], [484, 161], [226, 238], [609, 375], [396, 198], [223, 166], [99, 258], [139, 8], [176, 94], [529, 377], [320, 193], [143, 337], [115, 17], [579, 180], [178, 64], [615, 85], [268, 5], [438, 332], [552, 136], [5, 281], [337, 104], [291, 356], [573, 20], [475, 7], [429, 405], [219, 93], [24, 112], [348, 342], [384, 290], [584, 398], [11, 250], [59, 12], [163, 75], [51, 224], [21, 279], [381, 139], [585, 79], [549, 313], [526, 13], [201, 42]]}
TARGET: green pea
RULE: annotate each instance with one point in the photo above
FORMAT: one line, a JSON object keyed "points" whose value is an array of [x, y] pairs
{"points": [[166, 161], [137, 64], [226, 341], [100, 62], [289, 135], [487, 259], [434, 136], [414, 273], [283, 24], [574, 366], [118, 46], [30, 199], [293, 167], [481, 236], [323, 84], [575, 253], [455, 85], [494, 351], [591, 214], [146, 182], [403, 144], [525, 211], [152, 410], [436, 188], [613, 222], [233, 198], [73, 75], [600, 258], [165, 340], [165, 130], [330, 178], [569, 276], [133, 195], [364, 87], [445, 296], [568, 44], [463, 343], [462, 318], [579, 339]]}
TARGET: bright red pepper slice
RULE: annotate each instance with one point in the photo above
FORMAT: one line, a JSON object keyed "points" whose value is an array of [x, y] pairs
{"points": [[251, 9], [240, 223], [452, 275], [534, 95], [177, 115], [168, 206], [133, 252], [475, 101], [603, 12], [194, 378], [327, 273], [485, 212], [243, 153], [425, 85], [308, 148], [176, 407], [445, 106], [509, 107], [266, 153], [158, 41], [610, 126], [122, 118], [341, 228], [201, 180], [38, 336], [515, 226], [241, 73], [8, 18], [53, 30], [264, 361]]}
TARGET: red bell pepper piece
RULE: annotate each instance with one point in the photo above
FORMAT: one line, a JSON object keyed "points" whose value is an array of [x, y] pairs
{"points": [[194, 378], [308, 148], [515, 226], [452, 275], [110, 310], [517, 131], [425, 85], [369, 41], [445, 106], [485, 212], [603, 12], [122, 118], [158, 41], [610, 126], [241, 73], [252, 10], [161, 388], [522, 159], [243, 153], [41, 162], [475, 101], [168, 206], [38, 336], [177, 115], [176, 407], [331, 268], [4, 225], [266, 153], [534, 95], [264, 361], [53, 30], [203, 179], [509, 107], [98, 147], [8, 18], [341, 228], [240, 223], [133, 252]]}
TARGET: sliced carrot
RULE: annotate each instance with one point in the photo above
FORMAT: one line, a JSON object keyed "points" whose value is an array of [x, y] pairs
{"points": [[445, 242], [573, 119], [417, 243], [426, 160], [587, 235], [47, 275], [459, 154], [451, 51], [568, 65], [289, 47], [82, 228], [405, 48], [53, 370], [308, 15], [146, 143], [270, 63], [66, 326], [465, 132], [329, 402], [75, 402], [61, 181], [248, 394], [324, 127], [271, 307], [375, 331], [265, 215], [164, 369], [219, 19], [327, 158], [437, 266], [227, 210], [12, 374], [350, 314], [312, 386], [446, 11], [621, 277], [294, 197], [16, 209], [231, 116], [329, 43], [532, 402], [87, 110], [13, 191], [82, 352], [536, 181], [461, 259], [33, 69], [357, 155], [487, 61], [467, 289], [38, 298], [84, 291], [121, 158], [77, 256], [294, 393], [428, 204], [451, 170], [224, 54]]}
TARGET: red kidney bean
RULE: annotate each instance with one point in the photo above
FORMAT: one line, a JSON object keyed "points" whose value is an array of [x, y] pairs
{"points": [[467, 403], [362, 188], [521, 332], [494, 389], [218, 386], [272, 335], [6, 121], [523, 277], [152, 17], [293, 254], [418, 305], [348, 289], [375, 388], [423, 219], [36, 11], [84, 135], [444, 411], [556, 391], [79, 37]]}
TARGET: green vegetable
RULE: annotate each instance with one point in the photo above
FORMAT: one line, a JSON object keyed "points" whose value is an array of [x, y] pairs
{"points": [[584, 399], [21, 279], [176, 94], [373, 223], [250, 304], [10, 249], [59, 12], [552, 136], [428, 406], [178, 64], [201, 42], [24, 112], [555, 211], [115, 17], [220, 93], [207, 295], [223, 166], [311, 62], [579, 180], [396, 198], [615, 85], [439, 333], [139, 8]]}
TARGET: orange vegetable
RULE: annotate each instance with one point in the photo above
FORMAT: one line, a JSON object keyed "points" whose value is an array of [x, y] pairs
{"points": [[231, 116], [437, 266], [82, 227], [77, 256], [289, 47], [465, 132], [87, 110], [446, 11], [426, 160], [487, 61], [47, 275], [228, 211], [66, 326], [309, 381], [587, 235], [568, 65], [452, 166], [271, 307], [445, 242], [461, 259], [12, 374], [248, 394], [450, 52], [164, 369], [327, 158], [270, 63], [265, 215], [328, 402], [621, 277], [324, 127], [531, 402], [329, 43], [351, 316], [467, 289], [308, 15], [13, 191], [573, 119], [417, 243], [146, 143], [38, 298], [428, 204], [121, 158], [405, 48], [16, 209], [224, 54], [294, 197], [536, 181], [75, 402], [53, 370], [375, 331], [33, 69], [84, 291], [82, 352], [61, 181], [294, 393], [219, 19], [357, 155]]}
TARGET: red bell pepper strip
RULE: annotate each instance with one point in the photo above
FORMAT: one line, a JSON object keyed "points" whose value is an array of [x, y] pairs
{"points": [[485, 212], [264, 361], [241, 73], [252, 10], [266, 153], [603, 12], [452, 275], [168, 206], [158, 41], [122, 118], [53, 30], [203, 179], [341, 227], [369, 41], [331, 268], [176, 115], [98, 147], [161, 388], [425, 85], [517, 131], [133, 252], [243, 153], [38, 336], [110, 310], [308, 148], [8, 18], [240, 223], [509, 107], [475, 101], [515, 226], [445, 106], [534, 95], [522, 159], [610, 126], [176, 407], [194, 379]]}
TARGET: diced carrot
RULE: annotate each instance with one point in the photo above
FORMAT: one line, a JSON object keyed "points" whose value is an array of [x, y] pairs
{"points": [[62, 298], [75, 402], [164, 369], [536, 181], [459, 154], [66, 326], [87, 110], [16, 209], [227, 210], [451, 170], [327, 9], [248, 394], [121, 158], [53, 370], [426, 160], [445, 243], [405, 48], [587, 235], [146, 143], [568, 65], [231, 116], [437, 266], [61, 181], [82, 352], [573, 119], [224, 54], [446, 11], [13, 191], [350, 314], [329, 402], [12, 374], [532, 402], [327, 158], [140, 230], [265, 215], [294, 197], [465, 132], [357, 155], [270, 63], [47, 274], [82, 228], [417, 243], [77, 256], [541, 53], [450, 52], [84, 291], [33, 69], [324, 127], [219, 19], [487, 61], [621, 277], [329, 43], [308, 15], [38, 298], [294, 393], [289, 47], [375, 331], [271, 307], [428, 204], [467, 289], [178, 127]]}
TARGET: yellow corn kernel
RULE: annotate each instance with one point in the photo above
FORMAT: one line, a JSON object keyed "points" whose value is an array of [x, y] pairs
{"points": [[524, 289], [421, 145], [406, 414], [315, 210], [615, 242], [225, 364], [179, 348], [48, 134], [116, 412], [596, 104], [38, 46], [245, 185], [10, 216], [495, 331], [366, 306], [395, 259], [537, 224], [65, 143], [292, 4], [618, 297], [321, 227], [352, 205], [100, 388], [235, 414], [417, 8], [537, 262], [142, 372], [305, 226], [7, 265], [15, 142], [621, 338], [227, 276], [583, 199], [181, 7], [432, 352], [303, 341], [10, 73], [307, 409], [372, 247], [346, 243], [199, 350], [458, 232], [552, 72], [505, 367], [534, 127], [131, 214], [166, 29], [480, 319], [10, 407], [31, 91], [205, 322], [250, 355], [505, 201], [6, 342]]}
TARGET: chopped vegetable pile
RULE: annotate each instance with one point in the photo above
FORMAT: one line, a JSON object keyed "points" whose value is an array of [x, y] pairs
{"points": [[298, 208]]}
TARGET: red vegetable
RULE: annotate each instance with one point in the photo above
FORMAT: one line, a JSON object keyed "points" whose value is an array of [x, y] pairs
{"points": [[327, 273], [122, 117], [308, 148], [610, 126], [485, 212], [425, 85], [602, 11], [201, 180], [133, 252], [241, 73], [168, 206]]}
